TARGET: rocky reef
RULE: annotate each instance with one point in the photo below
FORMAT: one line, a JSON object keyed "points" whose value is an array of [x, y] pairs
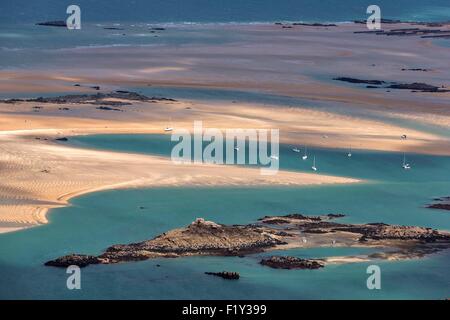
{"points": [[225, 274], [98, 98], [415, 86], [271, 233], [80, 260], [440, 203], [424, 29], [57, 23], [291, 263]]}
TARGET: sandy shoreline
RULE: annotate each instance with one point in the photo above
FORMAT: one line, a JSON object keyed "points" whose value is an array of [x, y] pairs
{"points": [[38, 175]]}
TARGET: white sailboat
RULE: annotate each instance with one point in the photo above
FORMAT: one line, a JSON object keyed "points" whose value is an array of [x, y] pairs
{"points": [[305, 156], [169, 127], [405, 165], [314, 164], [349, 154]]}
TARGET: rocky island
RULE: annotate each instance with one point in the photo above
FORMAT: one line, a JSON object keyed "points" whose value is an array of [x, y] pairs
{"points": [[440, 203], [225, 275], [273, 233], [415, 86], [291, 263], [114, 98]]}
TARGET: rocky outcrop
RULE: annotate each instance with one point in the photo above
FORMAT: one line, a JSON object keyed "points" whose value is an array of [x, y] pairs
{"points": [[424, 29], [58, 23], [225, 274], [109, 109], [80, 260], [380, 231], [354, 80], [440, 206], [415, 86], [297, 218], [291, 263], [415, 69], [440, 203], [315, 24], [199, 238], [387, 21], [269, 233], [98, 98]]}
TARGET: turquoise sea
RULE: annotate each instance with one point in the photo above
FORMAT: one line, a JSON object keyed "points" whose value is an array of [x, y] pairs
{"points": [[95, 221]]}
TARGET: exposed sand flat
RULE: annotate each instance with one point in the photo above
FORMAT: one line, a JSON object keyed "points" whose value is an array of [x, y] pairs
{"points": [[38, 175], [299, 62], [297, 125]]}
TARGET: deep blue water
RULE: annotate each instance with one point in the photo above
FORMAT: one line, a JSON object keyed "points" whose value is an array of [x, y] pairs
{"points": [[163, 11], [95, 221]]}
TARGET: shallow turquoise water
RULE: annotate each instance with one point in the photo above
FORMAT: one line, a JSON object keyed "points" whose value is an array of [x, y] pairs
{"points": [[96, 221]]}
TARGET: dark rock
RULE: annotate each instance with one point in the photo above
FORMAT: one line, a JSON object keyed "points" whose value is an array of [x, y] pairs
{"points": [[415, 69], [440, 206], [354, 80], [387, 21], [414, 86], [314, 24], [212, 239], [73, 259], [97, 98], [109, 109], [291, 263], [443, 204], [58, 23], [225, 274], [335, 215], [62, 139]]}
